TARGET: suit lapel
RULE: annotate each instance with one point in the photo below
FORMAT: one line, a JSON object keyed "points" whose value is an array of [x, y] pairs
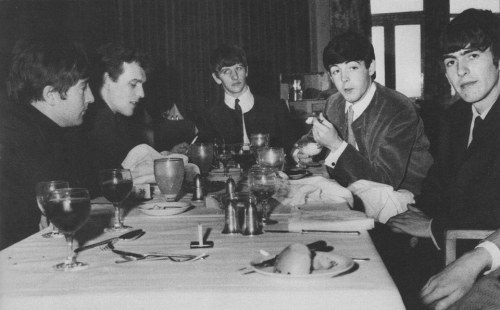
{"points": [[489, 127]]}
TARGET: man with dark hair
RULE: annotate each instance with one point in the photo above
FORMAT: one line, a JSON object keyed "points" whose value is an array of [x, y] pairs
{"points": [[461, 190], [373, 136], [242, 113], [48, 88]]}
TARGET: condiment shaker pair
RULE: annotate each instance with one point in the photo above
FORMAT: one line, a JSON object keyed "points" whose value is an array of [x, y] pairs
{"points": [[250, 224]]}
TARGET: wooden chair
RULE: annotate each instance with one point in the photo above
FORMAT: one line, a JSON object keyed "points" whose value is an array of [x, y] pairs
{"points": [[451, 237]]}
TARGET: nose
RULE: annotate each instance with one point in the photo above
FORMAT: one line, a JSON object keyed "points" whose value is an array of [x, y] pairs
{"points": [[462, 68], [344, 76], [89, 97], [140, 91], [234, 74]]}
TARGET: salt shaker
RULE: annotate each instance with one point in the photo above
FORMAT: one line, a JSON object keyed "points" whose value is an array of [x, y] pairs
{"points": [[251, 226], [231, 225], [198, 194]]}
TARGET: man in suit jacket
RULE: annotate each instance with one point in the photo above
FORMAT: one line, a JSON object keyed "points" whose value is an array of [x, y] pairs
{"points": [[461, 190], [387, 153], [242, 113]]}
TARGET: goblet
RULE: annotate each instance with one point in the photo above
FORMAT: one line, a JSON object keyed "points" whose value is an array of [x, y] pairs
{"points": [[42, 191], [169, 174], [271, 157], [69, 210], [257, 141], [116, 185], [310, 148], [262, 183], [243, 156], [202, 155], [223, 153]]}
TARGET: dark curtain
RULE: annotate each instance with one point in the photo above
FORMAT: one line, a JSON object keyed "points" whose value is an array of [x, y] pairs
{"points": [[352, 15], [179, 35]]}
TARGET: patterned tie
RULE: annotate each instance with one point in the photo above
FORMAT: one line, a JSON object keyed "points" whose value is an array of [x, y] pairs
{"points": [[477, 125], [239, 115], [350, 134]]}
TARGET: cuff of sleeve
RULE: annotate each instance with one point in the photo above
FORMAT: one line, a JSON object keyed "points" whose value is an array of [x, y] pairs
{"points": [[333, 157], [494, 252], [432, 236]]}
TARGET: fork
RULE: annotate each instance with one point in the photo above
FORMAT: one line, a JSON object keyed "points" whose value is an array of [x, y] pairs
{"points": [[179, 258]]}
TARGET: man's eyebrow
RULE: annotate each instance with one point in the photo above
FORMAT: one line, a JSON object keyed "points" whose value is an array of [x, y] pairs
{"points": [[462, 52]]}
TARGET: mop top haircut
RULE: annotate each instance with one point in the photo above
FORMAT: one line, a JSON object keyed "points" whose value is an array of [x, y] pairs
{"points": [[227, 56]]}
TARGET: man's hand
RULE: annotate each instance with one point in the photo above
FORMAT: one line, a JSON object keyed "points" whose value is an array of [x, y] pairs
{"points": [[448, 286], [181, 148], [413, 222], [325, 134]]}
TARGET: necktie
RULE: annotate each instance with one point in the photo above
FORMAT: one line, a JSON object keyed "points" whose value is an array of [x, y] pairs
{"points": [[350, 134], [239, 115], [477, 124]]}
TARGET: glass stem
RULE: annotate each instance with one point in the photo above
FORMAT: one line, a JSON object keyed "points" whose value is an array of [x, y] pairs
{"points": [[71, 254], [118, 220]]}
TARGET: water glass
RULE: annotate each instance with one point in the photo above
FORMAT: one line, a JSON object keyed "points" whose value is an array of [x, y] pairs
{"points": [[258, 140], [169, 175]]}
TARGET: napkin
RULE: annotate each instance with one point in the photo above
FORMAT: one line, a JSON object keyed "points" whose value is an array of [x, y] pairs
{"points": [[342, 220], [381, 201], [140, 161], [315, 189]]}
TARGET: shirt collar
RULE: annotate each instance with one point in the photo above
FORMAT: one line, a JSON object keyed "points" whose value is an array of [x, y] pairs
{"points": [[360, 106], [482, 115], [246, 100]]}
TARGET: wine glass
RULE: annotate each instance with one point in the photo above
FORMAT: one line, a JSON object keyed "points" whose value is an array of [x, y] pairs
{"points": [[116, 185], [42, 191], [169, 175], [202, 154], [262, 183], [68, 209], [223, 153], [271, 157], [257, 141], [243, 156]]}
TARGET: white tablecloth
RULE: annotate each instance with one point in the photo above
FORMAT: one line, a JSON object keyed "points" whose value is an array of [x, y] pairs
{"points": [[27, 280]]}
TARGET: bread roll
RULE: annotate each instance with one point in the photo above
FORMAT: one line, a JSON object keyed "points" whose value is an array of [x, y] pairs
{"points": [[295, 259]]}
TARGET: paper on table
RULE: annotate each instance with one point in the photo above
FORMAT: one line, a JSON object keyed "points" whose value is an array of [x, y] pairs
{"points": [[330, 220]]}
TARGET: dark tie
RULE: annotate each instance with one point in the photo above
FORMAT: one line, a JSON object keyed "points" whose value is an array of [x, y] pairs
{"points": [[350, 133], [477, 125], [239, 115]]}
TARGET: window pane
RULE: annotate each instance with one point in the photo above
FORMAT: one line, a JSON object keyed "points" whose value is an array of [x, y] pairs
{"points": [[378, 42], [408, 68], [393, 6], [457, 6]]}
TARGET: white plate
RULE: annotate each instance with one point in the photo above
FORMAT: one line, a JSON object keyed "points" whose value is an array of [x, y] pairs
{"points": [[163, 208], [343, 264]]}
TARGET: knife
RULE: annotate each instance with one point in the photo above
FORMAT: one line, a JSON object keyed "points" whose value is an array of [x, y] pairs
{"points": [[305, 231], [134, 234]]}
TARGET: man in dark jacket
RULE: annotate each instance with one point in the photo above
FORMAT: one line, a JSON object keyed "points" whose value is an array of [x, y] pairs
{"points": [[242, 113], [49, 92]]}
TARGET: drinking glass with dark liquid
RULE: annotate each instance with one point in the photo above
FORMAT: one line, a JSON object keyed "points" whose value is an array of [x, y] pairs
{"points": [[202, 155], [68, 209], [243, 156], [116, 185]]}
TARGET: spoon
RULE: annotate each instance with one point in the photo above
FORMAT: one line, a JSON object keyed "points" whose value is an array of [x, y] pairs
{"points": [[131, 235]]}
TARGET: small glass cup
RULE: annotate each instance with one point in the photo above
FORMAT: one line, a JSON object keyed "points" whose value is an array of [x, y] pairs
{"points": [[169, 175], [257, 141]]}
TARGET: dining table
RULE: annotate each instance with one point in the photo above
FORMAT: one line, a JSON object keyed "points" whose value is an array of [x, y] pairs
{"points": [[223, 279]]}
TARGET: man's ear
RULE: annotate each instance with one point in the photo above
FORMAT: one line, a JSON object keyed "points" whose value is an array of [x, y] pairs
{"points": [[50, 95], [106, 79], [216, 78], [372, 68]]}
